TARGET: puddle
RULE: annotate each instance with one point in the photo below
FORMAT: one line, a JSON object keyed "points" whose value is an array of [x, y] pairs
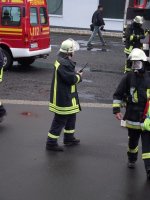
{"points": [[87, 96], [87, 81]]}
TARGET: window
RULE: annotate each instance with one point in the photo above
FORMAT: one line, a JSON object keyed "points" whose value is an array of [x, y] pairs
{"points": [[43, 16], [140, 2], [11, 16], [33, 16], [113, 8], [55, 7]]}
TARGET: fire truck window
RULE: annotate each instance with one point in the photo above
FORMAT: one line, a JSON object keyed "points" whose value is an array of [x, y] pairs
{"points": [[140, 2], [33, 16], [43, 16], [148, 4], [11, 16]]}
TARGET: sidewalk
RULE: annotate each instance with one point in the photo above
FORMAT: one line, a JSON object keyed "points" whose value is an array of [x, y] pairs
{"points": [[83, 32]]}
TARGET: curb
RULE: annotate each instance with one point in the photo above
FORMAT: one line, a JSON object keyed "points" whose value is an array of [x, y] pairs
{"points": [[84, 32]]}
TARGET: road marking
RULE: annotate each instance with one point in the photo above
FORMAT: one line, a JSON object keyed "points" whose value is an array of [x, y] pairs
{"points": [[45, 103]]}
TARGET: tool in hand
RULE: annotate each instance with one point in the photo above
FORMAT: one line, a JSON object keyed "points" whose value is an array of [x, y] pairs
{"points": [[81, 70]]}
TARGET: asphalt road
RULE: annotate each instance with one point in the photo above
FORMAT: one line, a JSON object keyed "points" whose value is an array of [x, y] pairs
{"points": [[100, 79], [95, 169]]}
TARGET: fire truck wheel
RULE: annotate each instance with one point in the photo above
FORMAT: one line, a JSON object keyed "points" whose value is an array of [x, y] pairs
{"points": [[8, 60], [26, 61]]}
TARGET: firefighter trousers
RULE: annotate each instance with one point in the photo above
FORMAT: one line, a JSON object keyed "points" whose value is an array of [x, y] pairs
{"points": [[134, 136], [59, 122]]}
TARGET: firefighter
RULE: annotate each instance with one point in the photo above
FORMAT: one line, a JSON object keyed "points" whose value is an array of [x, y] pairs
{"points": [[2, 109], [134, 89], [64, 101], [133, 35]]}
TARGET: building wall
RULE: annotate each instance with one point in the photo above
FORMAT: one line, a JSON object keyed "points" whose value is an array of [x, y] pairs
{"points": [[77, 14]]}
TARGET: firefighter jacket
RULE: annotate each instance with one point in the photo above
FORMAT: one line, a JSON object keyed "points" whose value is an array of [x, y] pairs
{"points": [[133, 35], [134, 90], [1, 64], [63, 96]]}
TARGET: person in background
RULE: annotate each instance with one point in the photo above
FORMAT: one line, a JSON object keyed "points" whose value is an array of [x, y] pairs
{"points": [[133, 35], [64, 101], [98, 23]]}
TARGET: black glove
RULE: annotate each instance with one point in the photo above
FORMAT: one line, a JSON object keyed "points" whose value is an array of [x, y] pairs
{"points": [[102, 28]]}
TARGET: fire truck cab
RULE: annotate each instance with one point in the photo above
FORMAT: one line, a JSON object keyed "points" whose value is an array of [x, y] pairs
{"points": [[135, 8], [24, 31]]}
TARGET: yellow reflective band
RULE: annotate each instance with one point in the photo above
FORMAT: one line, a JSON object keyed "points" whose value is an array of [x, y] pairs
{"points": [[128, 51], [69, 131], [78, 77], [135, 97], [73, 88], [63, 108], [74, 102], [115, 105], [57, 64], [45, 28], [64, 112], [5, 33], [1, 75], [133, 150], [133, 125], [145, 156], [11, 30], [52, 136], [131, 37], [148, 93]]}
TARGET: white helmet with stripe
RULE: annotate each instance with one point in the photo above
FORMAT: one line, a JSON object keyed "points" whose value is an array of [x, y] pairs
{"points": [[69, 46]]}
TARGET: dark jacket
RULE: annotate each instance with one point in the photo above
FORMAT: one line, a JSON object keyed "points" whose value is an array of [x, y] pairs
{"points": [[133, 35], [97, 18], [63, 96], [133, 89]]}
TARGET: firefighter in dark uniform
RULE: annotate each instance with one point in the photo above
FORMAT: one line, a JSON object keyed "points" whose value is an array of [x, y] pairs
{"points": [[64, 101], [2, 109], [134, 89], [133, 35]]}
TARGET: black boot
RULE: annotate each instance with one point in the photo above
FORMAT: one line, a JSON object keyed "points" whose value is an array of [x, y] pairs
{"points": [[2, 113], [70, 140], [148, 174], [52, 145], [131, 164]]}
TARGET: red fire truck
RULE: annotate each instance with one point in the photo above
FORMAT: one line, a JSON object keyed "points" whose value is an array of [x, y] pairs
{"points": [[138, 8], [24, 31]]}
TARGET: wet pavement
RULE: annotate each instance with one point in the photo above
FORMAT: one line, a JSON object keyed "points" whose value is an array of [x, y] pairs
{"points": [[33, 82], [95, 169]]}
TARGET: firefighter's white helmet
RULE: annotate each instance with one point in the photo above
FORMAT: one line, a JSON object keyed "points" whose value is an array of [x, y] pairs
{"points": [[69, 46], [137, 54], [138, 19]]}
